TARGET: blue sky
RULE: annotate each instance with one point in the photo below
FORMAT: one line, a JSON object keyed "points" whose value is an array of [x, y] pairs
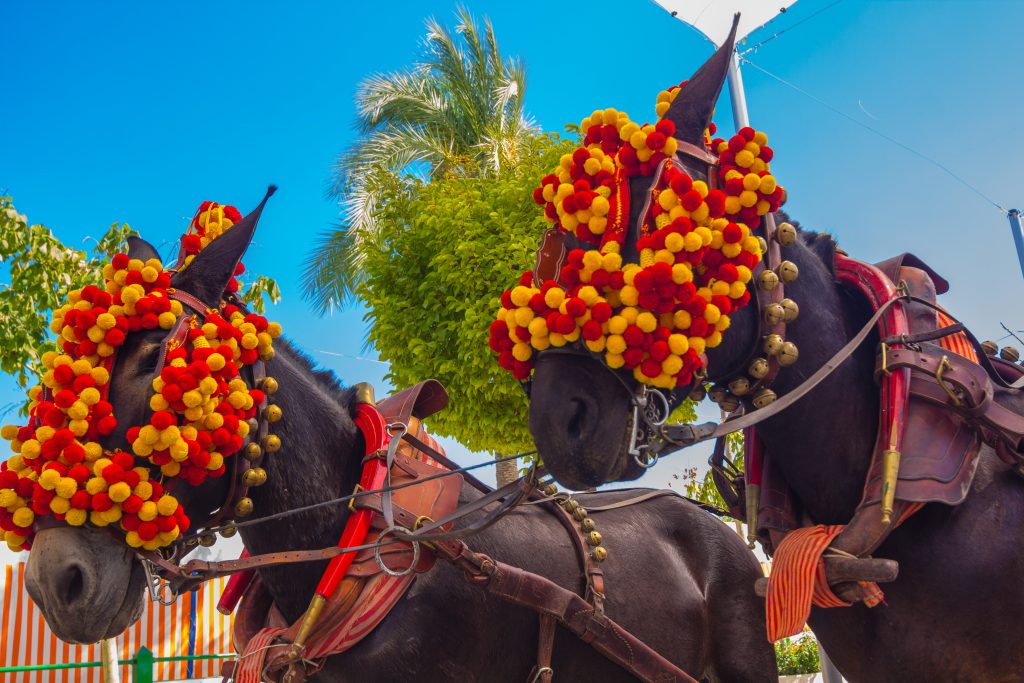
{"points": [[136, 112]]}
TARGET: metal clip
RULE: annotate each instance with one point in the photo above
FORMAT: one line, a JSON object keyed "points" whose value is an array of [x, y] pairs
{"points": [[944, 365], [885, 361], [160, 590], [380, 560], [355, 497]]}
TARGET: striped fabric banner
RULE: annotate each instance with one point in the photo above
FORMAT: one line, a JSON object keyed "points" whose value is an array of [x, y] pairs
{"points": [[957, 343], [26, 640]]}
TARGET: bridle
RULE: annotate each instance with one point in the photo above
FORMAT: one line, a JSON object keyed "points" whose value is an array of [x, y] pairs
{"points": [[648, 434]]}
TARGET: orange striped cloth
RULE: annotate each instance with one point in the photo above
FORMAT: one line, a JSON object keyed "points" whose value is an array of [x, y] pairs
{"points": [[26, 640], [957, 343], [797, 581]]}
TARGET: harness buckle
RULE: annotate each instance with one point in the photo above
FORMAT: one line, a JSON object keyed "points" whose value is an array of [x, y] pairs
{"points": [[160, 590], [355, 497], [944, 365]]}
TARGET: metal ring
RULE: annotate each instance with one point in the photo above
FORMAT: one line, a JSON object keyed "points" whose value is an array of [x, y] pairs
{"points": [[380, 560], [648, 461], [665, 405]]}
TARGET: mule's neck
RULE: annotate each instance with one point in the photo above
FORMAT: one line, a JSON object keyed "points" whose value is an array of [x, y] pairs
{"points": [[318, 460], [822, 444]]}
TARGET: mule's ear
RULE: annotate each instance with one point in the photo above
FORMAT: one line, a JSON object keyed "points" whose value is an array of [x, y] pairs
{"points": [[210, 271], [694, 104], [141, 249]]}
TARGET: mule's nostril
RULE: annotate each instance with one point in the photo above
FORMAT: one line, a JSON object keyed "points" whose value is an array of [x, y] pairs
{"points": [[575, 426], [74, 584]]}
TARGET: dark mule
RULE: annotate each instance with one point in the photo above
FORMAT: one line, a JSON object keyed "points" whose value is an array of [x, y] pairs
{"points": [[676, 577], [951, 614]]}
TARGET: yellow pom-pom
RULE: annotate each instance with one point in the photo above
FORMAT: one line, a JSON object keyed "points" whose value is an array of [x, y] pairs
{"points": [[522, 351], [9, 432], [75, 517], [692, 241], [646, 322], [133, 539], [611, 261], [66, 487], [167, 320], [617, 324], [100, 375], [554, 297], [682, 320], [615, 344], [678, 344], [521, 295], [697, 344], [614, 360], [167, 505], [59, 505], [7, 498], [119, 492], [95, 485], [49, 479], [24, 517], [672, 365]]}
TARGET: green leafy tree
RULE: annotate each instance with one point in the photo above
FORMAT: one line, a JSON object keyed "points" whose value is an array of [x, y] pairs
{"points": [[439, 261], [797, 656], [458, 113]]}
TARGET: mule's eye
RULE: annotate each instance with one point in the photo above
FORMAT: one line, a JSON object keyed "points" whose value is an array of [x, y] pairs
{"points": [[149, 357]]}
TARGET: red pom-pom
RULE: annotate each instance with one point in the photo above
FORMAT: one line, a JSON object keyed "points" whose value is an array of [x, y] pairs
{"points": [[591, 330], [691, 200], [565, 324], [601, 311], [120, 261], [633, 335], [747, 132]]}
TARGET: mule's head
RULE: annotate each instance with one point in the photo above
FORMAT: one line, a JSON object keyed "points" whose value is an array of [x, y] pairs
{"points": [[88, 582], [580, 410]]}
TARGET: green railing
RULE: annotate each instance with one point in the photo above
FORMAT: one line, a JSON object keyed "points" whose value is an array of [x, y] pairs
{"points": [[142, 664]]}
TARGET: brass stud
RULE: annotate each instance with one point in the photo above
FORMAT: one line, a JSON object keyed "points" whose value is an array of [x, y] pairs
{"points": [[253, 451], [269, 386], [191, 541], [594, 538], [268, 356], [207, 540], [273, 414], [244, 507], [788, 272], [229, 532], [570, 504], [764, 397], [762, 244], [364, 394], [599, 554], [551, 489], [699, 393], [739, 386], [788, 353], [758, 368], [772, 344], [588, 524], [785, 234], [579, 514], [254, 425], [271, 443], [730, 404], [774, 314], [257, 476], [768, 280], [790, 310], [990, 348], [718, 393], [1009, 353]]}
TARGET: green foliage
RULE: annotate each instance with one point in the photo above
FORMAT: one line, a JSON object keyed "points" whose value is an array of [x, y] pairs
{"points": [[41, 269], [259, 289], [443, 255], [797, 656], [705, 490], [457, 113]]}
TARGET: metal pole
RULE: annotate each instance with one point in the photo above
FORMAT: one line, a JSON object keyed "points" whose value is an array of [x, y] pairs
{"points": [[108, 657], [1018, 235], [737, 94]]}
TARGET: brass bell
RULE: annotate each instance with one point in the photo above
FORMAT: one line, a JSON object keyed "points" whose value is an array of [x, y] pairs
{"points": [[990, 348], [269, 386], [570, 504], [774, 313], [273, 414], [785, 234], [718, 393], [228, 532], [579, 514], [699, 393], [594, 538], [788, 353], [772, 344], [551, 489], [790, 310], [191, 541], [271, 443], [257, 476], [768, 280], [739, 386], [207, 540], [758, 368], [599, 554], [588, 524], [787, 271], [762, 244], [1009, 353], [253, 451], [243, 508], [254, 425], [268, 356], [364, 394], [729, 404], [763, 397]]}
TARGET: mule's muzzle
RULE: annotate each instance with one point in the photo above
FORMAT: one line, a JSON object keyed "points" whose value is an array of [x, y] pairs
{"points": [[88, 585]]}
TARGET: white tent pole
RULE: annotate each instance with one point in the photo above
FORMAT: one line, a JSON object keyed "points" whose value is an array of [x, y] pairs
{"points": [[736, 93]]}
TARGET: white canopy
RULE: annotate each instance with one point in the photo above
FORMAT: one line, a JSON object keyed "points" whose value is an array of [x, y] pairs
{"points": [[713, 18]]}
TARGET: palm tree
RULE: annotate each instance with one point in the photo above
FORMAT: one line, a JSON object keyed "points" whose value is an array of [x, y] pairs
{"points": [[457, 113]]}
